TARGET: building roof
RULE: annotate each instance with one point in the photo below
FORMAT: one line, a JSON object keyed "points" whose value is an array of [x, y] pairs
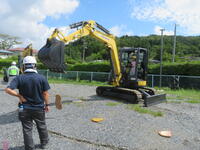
{"points": [[21, 50], [5, 51]]}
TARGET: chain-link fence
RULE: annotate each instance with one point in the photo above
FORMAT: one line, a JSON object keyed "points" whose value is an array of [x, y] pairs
{"points": [[172, 81], [77, 75]]}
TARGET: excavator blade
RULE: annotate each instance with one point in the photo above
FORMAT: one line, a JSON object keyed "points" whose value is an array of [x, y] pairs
{"points": [[154, 99], [52, 55]]}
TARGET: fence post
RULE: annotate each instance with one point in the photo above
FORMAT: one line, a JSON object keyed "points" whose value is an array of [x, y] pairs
{"points": [[109, 76], [76, 75], [152, 81], [47, 74], [60, 77], [178, 82], [91, 77]]}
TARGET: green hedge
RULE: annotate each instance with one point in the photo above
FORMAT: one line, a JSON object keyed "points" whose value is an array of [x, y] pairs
{"points": [[92, 67], [4, 63], [185, 68]]}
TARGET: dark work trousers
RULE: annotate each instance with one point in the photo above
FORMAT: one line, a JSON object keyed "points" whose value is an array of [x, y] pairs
{"points": [[26, 117]]}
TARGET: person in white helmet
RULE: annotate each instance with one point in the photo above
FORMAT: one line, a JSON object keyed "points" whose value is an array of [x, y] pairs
{"points": [[13, 71], [33, 102]]}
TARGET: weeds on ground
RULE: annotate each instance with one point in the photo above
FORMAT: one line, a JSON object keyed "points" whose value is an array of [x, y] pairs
{"points": [[182, 95], [112, 103], [81, 98], [193, 101], [142, 110], [82, 82], [79, 104], [173, 101]]}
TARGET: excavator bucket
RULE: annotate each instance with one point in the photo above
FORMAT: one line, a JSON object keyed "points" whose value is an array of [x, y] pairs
{"points": [[52, 55], [154, 99]]}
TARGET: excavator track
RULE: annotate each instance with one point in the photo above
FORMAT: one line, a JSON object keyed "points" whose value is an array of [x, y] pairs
{"points": [[130, 95], [145, 96], [151, 91]]}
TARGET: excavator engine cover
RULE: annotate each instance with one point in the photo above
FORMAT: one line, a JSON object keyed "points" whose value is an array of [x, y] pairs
{"points": [[52, 55]]}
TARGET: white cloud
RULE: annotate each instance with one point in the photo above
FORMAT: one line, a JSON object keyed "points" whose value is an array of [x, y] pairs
{"points": [[24, 18], [165, 32], [120, 30], [183, 12]]}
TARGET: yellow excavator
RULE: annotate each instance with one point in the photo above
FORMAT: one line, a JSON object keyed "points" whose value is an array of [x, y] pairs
{"points": [[28, 51], [129, 65]]}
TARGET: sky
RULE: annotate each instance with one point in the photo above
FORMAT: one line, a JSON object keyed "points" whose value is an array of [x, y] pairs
{"points": [[34, 20]]}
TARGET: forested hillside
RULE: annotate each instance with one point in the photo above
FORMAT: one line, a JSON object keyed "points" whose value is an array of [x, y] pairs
{"points": [[92, 52], [89, 49]]}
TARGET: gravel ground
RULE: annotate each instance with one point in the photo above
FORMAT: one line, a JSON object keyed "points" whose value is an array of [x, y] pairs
{"points": [[122, 129]]}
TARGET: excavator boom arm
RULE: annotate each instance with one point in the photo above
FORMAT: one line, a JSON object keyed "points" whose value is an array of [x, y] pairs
{"points": [[91, 28]]}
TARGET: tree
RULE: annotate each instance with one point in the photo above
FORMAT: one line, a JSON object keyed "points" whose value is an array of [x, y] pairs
{"points": [[7, 41], [186, 47]]}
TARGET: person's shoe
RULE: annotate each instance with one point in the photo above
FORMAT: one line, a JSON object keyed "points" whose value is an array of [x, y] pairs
{"points": [[44, 146]]}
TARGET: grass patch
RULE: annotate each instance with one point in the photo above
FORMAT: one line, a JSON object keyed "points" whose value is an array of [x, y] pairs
{"points": [[112, 104], [177, 102], [143, 110], [184, 101], [82, 98], [182, 95], [80, 82], [79, 103], [193, 101]]}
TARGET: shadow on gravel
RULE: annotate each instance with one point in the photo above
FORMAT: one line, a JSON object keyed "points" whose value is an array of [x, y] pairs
{"points": [[8, 118], [16, 148], [22, 147], [107, 98], [98, 98], [4, 83], [92, 98]]}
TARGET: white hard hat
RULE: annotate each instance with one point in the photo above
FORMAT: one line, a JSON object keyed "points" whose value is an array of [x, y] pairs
{"points": [[13, 63], [29, 60]]}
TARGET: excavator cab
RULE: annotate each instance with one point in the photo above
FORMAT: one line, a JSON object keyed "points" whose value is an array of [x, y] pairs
{"points": [[133, 66], [52, 55]]}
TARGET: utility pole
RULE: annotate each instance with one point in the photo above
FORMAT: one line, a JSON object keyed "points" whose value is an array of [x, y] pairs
{"points": [[174, 46], [161, 54], [84, 48], [83, 54]]}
